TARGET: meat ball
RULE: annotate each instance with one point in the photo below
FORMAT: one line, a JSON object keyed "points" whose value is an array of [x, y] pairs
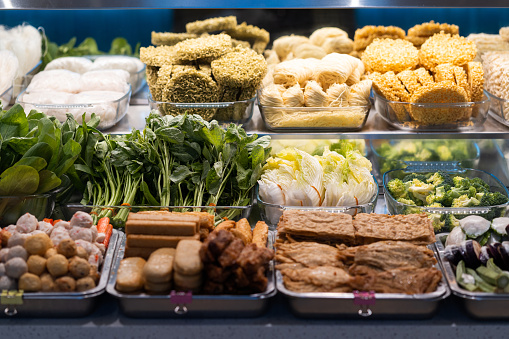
{"points": [[17, 252], [17, 239], [65, 284], [26, 223], [81, 252], [81, 233], [79, 268], [16, 267], [36, 264], [57, 265], [37, 232], [94, 274], [59, 234], [11, 229], [94, 232], [7, 283], [95, 256], [38, 244], [2, 269], [48, 283], [101, 247], [4, 237], [81, 219], [46, 227], [63, 224], [29, 282], [67, 248], [3, 254], [85, 284], [50, 252]]}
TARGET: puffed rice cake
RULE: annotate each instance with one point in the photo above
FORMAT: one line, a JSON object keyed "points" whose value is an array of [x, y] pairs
{"points": [[446, 48], [384, 55]]}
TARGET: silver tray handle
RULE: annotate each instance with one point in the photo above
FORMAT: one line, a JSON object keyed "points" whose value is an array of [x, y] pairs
{"points": [[10, 312], [450, 166], [364, 299]]}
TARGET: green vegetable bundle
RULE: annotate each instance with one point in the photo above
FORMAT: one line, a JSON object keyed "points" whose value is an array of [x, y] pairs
{"points": [[174, 161]]}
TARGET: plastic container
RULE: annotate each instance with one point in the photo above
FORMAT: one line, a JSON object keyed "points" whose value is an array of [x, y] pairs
{"points": [[400, 114], [270, 213], [395, 207], [480, 305], [5, 97], [181, 304], [39, 205], [239, 112], [110, 112], [499, 109], [308, 119], [16, 304], [466, 152]]}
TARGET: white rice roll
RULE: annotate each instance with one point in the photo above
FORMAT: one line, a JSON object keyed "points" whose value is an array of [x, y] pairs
{"points": [[308, 50], [359, 93], [286, 44], [31, 101], [330, 71], [337, 95], [127, 63], [293, 96], [8, 67], [75, 64], [105, 105], [58, 80], [115, 80], [314, 96], [296, 71]]}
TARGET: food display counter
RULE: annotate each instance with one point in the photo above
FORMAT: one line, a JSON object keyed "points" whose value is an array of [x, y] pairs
{"points": [[450, 319]]}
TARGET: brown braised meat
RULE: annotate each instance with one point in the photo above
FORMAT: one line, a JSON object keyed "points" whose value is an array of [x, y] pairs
{"points": [[254, 257], [230, 254]]}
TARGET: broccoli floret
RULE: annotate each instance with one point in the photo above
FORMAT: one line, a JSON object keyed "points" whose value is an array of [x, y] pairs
{"points": [[436, 221], [397, 189], [493, 199], [423, 155], [444, 153], [385, 150], [456, 192], [440, 178], [457, 181], [450, 222], [412, 176], [465, 201], [419, 189], [479, 185], [435, 204], [406, 201]]}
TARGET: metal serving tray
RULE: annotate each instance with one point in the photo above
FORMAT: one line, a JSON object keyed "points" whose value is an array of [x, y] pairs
{"points": [[181, 304], [64, 305], [364, 304], [477, 304]]}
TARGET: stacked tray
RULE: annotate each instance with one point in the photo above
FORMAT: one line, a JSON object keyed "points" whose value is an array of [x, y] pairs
{"points": [[65, 305], [179, 304]]}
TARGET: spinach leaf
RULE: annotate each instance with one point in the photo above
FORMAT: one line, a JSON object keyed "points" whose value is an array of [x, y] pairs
{"points": [[19, 180]]}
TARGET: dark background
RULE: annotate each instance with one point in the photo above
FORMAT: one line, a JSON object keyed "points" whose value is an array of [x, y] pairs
{"points": [[136, 25]]}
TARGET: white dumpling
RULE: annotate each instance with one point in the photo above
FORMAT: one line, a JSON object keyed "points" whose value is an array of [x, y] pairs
{"points": [[58, 80], [75, 64]]}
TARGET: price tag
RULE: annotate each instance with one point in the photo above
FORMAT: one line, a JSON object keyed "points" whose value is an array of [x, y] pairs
{"points": [[11, 297]]}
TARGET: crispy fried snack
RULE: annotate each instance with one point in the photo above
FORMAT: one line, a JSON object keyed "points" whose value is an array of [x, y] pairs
{"points": [[423, 76], [384, 55], [431, 28], [211, 25], [170, 39], [259, 46], [241, 68], [260, 234], [445, 48], [151, 72], [225, 225], [243, 227], [409, 80], [453, 73], [249, 32], [364, 36], [475, 77], [440, 92], [205, 48], [242, 43], [390, 87], [157, 56], [417, 41]]}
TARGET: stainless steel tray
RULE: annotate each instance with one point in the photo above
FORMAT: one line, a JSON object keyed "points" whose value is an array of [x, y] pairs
{"points": [[364, 304], [477, 304], [179, 304], [64, 305]]}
